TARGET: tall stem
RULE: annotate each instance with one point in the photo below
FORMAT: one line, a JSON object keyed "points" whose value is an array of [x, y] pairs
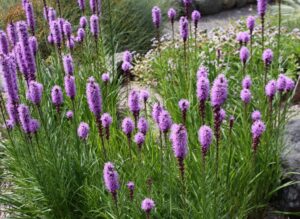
{"points": [[279, 30], [263, 32], [59, 8], [111, 38]]}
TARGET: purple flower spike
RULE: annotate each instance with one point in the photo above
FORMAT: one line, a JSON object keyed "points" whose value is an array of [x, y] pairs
{"points": [[83, 130], [3, 43], [12, 33], [34, 126], [111, 179], [25, 118], [9, 124], [33, 44], [56, 32], [222, 114], [139, 139], [246, 96], [156, 111], [12, 110], [144, 94], [290, 85], [93, 6], [80, 35], [106, 121], [172, 15], [83, 22], [134, 103], [219, 91], [281, 83], [271, 89], [127, 56], [251, 23], [70, 86], [127, 126], [126, 66], [51, 14], [246, 37], [165, 121], [30, 16], [205, 135], [94, 25], [262, 7], [202, 72], [244, 54], [256, 115], [156, 16], [94, 97], [68, 64], [187, 2], [143, 125], [105, 77], [257, 129], [268, 57], [147, 205], [70, 115], [35, 92], [130, 185], [184, 105], [57, 97], [196, 17], [81, 4], [247, 82], [202, 88], [184, 28], [67, 29]]}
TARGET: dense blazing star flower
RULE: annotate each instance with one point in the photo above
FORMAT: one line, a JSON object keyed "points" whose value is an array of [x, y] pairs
{"points": [[106, 121], [80, 35], [268, 57], [147, 205], [257, 129], [256, 115], [196, 17], [51, 14], [205, 135], [184, 105], [94, 97], [12, 33], [83, 130], [127, 56], [21, 61], [95, 6], [172, 15], [245, 37], [81, 4], [139, 139], [9, 124], [3, 43], [34, 126], [143, 125], [130, 185], [33, 44], [262, 7], [126, 66], [164, 121], [156, 111], [178, 138], [56, 32], [202, 72], [144, 94], [246, 96], [219, 91], [9, 73], [67, 29], [134, 103], [24, 118], [202, 88], [290, 85], [127, 126], [156, 16], [61, 22], [187, 2], [111, 178], [71, 43], [70, 115], [68, 64], [271, 89], [35, 92], [105, 77], [83, 22], [57, 96], [281, 83], [222, 114], [24, 2], [94, 25], [251, 23], [50, 39], [30, 16], [184, 28], [239, 37], [247, 82], [12, 111], [70, 86], [244, 54]]}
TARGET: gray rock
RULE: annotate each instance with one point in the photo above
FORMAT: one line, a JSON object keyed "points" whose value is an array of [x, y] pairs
{"points": [[209, 6]]}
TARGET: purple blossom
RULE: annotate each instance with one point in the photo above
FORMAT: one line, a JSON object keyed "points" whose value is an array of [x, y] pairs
{"points": [[81, 4], [202, 72], [25, 118], [56, 32], [156, 16], [68, 64], [239, 37], [178, 138], [12, 33], [33, 44], [126, 66], [35, 92], [184, 105], [94, 25], [251, 23], [268, 57], [172, 15], [246, 96], [71, 43], [202, 88], [70, 86], [281, 83], [105, 77], [111, 178], [34, 126], [196, 17], [67, 29], [243, 37], [143, 125], [3, 43], [271, 89], [184, 28], [50, 39], [147, 205], [130, 185], [83, 130], [127, 56], [219, 91], [139, 139], [290, 85], [244, 54], [9, 124], [258, 128], [83, 22], [156, 111], [51, 14], [12, 110], [262, 7], [57, 96], [205, 135], [106, 120], [247, 82], [134, 103], [165, 121], [80, 35], [70, 115], [94, 97], [127, 126], [256, 115], [30, 16], [222, 114], [144, 94]]}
